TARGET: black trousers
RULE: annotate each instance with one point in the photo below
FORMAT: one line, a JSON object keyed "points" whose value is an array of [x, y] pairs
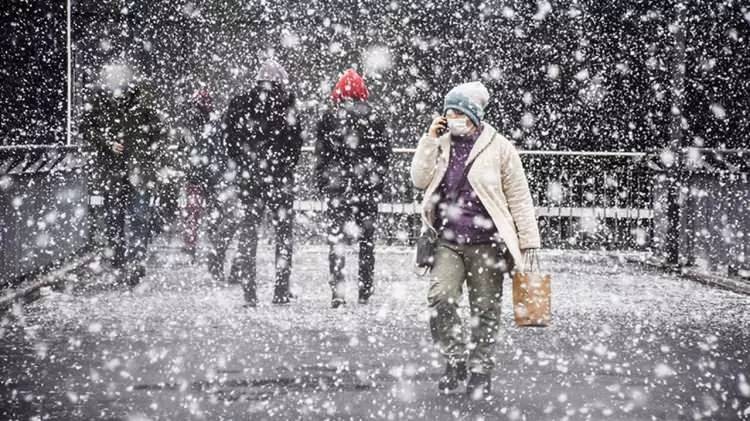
{"points": [[350, 221], [126, 220], [166, 208], [282, 217]]}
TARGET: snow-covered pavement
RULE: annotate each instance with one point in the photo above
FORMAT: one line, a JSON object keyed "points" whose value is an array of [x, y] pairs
{"points": [[626, 344]]}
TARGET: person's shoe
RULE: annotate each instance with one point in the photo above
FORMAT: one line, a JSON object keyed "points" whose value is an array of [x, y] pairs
{"points": [[216, 268], [337, 300], [133, 277], [454, 373], [191, 253], [233, 279], [364, 298], [251, 300], [479, 386], [282, 298]]}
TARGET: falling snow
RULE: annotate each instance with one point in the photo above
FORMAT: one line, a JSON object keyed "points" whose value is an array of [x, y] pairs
{"points": [[149, 150]]}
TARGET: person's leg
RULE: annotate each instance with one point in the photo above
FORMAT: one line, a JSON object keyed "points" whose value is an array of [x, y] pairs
{"points": [[366, 223], [115, 202], [446, 280], [485, 269], [166, 210], [244, 266], [193, 210], [138, 235], [283, 222], [337, 217], [220, 231]]}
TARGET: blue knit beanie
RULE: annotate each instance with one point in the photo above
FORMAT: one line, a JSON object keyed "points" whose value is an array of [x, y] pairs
{"points": [[469, 98]]}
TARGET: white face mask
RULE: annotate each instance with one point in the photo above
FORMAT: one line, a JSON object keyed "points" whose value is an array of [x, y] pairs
{"points": [[459, 126]]}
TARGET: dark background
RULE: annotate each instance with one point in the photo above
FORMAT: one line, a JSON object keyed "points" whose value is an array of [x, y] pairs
{"points": [[32, 71], [613, 90]]}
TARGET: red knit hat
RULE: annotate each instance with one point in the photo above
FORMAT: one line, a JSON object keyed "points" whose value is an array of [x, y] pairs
{"points": [[202, 100], [350, 86]]}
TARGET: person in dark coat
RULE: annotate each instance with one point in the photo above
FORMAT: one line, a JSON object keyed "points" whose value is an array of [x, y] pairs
{"points": [[123, 129], [352, 153], [205, 166], [264, 138]]}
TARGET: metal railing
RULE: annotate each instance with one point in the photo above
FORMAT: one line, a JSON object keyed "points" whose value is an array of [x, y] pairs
{"points": [[702, 216], [583, 199], [43, 206], [35, 159]]}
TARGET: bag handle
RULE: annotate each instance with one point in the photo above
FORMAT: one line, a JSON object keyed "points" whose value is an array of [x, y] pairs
{"points": [[530, 258]]}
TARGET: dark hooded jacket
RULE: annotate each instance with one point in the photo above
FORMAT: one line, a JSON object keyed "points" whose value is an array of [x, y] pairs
{"points": [[264, 138], [352, 153], [129, 119]]}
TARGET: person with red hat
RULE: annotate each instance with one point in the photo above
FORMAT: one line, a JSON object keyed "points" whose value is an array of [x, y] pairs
{"points": [[352, 153]]}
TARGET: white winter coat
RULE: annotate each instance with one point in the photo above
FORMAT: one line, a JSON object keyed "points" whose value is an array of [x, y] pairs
{"points": [[497, 178]]}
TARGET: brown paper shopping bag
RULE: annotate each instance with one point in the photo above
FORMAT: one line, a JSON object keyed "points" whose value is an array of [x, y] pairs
{"points": [[532, 294]]}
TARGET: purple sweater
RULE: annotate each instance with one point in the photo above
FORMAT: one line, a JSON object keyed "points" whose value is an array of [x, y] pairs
{"points": [[462, 219]]}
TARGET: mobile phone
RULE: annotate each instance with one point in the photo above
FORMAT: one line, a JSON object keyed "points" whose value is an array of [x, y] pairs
{"points": [[443, 128]]}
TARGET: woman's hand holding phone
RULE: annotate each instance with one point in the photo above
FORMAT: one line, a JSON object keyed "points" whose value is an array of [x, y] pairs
{"points": [[439, 127]]}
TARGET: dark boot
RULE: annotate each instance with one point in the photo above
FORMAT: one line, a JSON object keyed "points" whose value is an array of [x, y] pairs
{"points": [[454, 373], [363, 299], [337, 299], [251, 300], [216, 266], [233, 279], [133, 276], [364, 296], [479, 386], [281, 293], [282, 297], [191, 253]]}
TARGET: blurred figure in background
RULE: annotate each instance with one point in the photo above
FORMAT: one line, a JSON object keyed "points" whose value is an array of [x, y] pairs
{"points": [[264, 138], [205, 159], [122, 126], [352, 152]]}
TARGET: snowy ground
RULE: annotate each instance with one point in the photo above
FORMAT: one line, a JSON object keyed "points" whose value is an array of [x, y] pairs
{"points": [[625, 345]]}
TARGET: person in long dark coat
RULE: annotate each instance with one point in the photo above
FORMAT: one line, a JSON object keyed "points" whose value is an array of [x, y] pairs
{"points": [[123, 128], [352, 153], [264, 138]]}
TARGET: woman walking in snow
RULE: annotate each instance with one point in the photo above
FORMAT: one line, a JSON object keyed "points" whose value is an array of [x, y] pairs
{"points": [[477, 201]]}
